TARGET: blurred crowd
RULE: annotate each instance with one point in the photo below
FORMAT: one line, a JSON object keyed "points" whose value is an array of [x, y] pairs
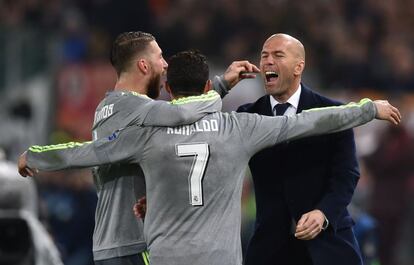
{"points": [[54, 70], [351, 44]]}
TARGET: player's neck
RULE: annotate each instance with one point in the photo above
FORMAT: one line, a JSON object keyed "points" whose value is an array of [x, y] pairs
{"points": [[131, 83]]}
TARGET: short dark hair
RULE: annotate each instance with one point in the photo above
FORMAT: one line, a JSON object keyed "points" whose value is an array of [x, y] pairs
{"points": [[126, 46], [187, 73]]}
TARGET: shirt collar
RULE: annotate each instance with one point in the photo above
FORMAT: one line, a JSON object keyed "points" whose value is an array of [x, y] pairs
{"points": [[293, 100]]}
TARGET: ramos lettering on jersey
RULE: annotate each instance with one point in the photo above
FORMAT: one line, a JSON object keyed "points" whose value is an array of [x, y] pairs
{"points": [[199, 126], [104, 113]]}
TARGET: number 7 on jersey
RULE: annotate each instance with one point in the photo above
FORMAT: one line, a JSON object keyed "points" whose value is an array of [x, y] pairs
{"points": [[201, 153]]}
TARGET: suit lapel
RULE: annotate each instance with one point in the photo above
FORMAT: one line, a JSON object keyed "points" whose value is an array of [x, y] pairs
{"points": [[265, 108], [305, 99], [305, 102]]}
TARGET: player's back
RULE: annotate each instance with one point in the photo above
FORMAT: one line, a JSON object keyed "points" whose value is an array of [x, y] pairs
{"points": [[194, 177], [117, 231]]}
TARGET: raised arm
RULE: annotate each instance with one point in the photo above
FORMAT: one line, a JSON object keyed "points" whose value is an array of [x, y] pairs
{"points": [[123, 146], [272, 130], [237, 71], [339, 118]]}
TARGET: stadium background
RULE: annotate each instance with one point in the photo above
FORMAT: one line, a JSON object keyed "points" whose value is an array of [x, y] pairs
{"points": [[54, 70]]}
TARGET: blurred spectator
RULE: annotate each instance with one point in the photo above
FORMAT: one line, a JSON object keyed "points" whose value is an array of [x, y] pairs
{"points": [[74, 37], [405, 253], [366, 232], [70, 202], [23, 239], [391, 166]]}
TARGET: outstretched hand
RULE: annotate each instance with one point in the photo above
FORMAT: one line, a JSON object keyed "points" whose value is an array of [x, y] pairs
{"points": [[386, 111], [23, 168], [140, 208], [239, 70]]}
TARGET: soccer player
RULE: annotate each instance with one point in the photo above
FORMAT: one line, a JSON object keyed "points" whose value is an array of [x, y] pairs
{"points": [[137, 58], [194, 172]]}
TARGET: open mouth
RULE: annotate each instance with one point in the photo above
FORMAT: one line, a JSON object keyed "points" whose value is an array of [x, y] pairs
{"points": [[271, 76]]}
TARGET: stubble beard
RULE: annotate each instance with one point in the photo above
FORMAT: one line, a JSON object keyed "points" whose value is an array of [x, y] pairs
{"points": [[154, 86]]}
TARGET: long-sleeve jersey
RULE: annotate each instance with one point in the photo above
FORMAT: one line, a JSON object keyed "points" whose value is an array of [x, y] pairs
{"points": [[194, 173], [117, 231]]}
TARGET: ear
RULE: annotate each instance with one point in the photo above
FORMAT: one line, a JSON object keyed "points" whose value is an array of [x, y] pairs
{"points": [[142, 66], [299, 68], [207, 86]]}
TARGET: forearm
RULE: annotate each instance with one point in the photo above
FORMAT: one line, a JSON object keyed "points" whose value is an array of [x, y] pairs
{"points": [[62, 156], [327, 120], [121, 146]]}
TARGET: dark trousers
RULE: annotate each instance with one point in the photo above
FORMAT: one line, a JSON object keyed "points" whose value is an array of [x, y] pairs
{"points": [[138, 259]]}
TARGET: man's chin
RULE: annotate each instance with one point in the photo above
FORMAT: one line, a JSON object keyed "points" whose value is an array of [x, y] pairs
{"points": [[271, 89]]}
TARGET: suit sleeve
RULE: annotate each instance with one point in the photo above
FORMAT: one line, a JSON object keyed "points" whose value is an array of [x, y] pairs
{"points": [[259, 132], [182, 111], [122, 146], [344, 177]]}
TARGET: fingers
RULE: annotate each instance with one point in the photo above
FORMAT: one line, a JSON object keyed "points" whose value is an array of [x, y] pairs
{"points": [[240, 70], [302, 220], [247, 76], [310, 233], [247, 66], [140, 208], [395, 110], [388, 112], [29, 171], [310, 225], [308, 230], [135, 210], [396, 114], [394, 119], [24, 172]]}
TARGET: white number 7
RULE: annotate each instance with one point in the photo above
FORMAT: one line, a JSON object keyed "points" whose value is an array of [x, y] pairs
{"points": [[201, 153]]}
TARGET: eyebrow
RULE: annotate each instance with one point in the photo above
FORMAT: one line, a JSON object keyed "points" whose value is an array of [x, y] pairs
{"points": [[274, 52]]}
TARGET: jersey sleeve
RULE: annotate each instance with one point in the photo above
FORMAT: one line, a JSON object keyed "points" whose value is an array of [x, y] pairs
{"points": [[182, 111], [121, 146], [259, 132], [220, 85]]}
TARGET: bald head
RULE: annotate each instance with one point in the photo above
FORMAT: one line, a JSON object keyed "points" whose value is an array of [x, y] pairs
{"points": [[282, 62], [293, 44]]}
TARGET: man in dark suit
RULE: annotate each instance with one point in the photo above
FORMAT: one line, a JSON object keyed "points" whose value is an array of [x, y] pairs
{"points": [[302, 187]]}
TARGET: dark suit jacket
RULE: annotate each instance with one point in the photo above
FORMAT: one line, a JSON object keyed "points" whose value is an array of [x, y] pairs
{"points": [[293, 178]]}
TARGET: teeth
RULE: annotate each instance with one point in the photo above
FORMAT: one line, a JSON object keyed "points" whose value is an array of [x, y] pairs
{"points": [[270, 74]]}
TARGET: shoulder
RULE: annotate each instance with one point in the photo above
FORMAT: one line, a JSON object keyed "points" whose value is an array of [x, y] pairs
{"points": [[242, 119], [316, 99], [125, 96], [255, 106]]}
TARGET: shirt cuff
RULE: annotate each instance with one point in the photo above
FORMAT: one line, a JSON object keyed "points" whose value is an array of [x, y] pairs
{"points": [[325, 223]]}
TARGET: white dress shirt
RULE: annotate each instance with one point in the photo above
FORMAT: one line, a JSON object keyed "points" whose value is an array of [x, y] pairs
{"points": [[293, 101]]}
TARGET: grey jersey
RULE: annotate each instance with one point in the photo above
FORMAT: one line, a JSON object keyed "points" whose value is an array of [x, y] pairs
{"points": [[194, 174], [117, 231]]}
